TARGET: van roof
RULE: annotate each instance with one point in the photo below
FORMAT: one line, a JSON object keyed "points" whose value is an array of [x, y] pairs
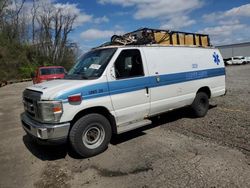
{"points": [[152, 45], [149, 36]]}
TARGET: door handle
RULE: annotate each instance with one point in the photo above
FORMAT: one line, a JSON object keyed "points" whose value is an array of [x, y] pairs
{"points": [[157, 77], [147, 90]]}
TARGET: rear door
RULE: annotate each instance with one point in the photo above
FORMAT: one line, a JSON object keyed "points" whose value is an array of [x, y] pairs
{"points": [[129, 87]]}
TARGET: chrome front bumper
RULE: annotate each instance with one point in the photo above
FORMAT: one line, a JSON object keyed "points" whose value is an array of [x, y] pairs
{"points": [[45, 131]]}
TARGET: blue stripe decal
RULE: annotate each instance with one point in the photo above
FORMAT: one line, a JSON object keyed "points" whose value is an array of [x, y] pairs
{"points": [[123, 86], [187, 76], [135, 84]]}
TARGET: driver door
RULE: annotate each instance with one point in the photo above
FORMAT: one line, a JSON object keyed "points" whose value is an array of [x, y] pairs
{"points": [[129, 87]]}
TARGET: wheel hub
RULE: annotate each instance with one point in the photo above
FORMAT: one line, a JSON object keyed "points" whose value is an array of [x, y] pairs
{"points": [[93, 136]]}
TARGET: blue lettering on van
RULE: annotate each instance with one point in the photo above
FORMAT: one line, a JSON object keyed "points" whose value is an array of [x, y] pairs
{"points": [[91, 92], [195, 66], [136, 84], [196, 75]]}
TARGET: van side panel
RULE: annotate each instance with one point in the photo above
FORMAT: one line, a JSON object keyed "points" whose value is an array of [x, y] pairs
{"points": [[178, 72]]}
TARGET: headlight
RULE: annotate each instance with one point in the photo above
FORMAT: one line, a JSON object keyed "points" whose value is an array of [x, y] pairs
{"points": [[50, 111]]}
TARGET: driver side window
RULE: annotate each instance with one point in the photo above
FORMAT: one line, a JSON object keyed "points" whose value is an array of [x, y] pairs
{"points": [[129, 64]]}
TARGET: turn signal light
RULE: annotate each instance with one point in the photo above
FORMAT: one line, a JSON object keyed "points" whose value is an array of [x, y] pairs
{"points": [[57, 109], [75, 98]]}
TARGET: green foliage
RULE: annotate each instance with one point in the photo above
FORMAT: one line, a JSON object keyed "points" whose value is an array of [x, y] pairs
{"points": [[26, 70], [20, 60]]}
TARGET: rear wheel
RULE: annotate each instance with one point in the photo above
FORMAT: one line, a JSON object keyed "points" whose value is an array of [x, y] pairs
{"points": [[200, 104], [90, 135]]}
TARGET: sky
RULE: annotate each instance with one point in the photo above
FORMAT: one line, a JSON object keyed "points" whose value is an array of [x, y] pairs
{"points": [[226, 21]]}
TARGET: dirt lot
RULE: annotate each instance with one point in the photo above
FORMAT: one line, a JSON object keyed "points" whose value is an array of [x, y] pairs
{"points": [[175, 151]]}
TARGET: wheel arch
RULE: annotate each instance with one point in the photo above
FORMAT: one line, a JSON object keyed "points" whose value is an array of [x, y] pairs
{"points": [[206, 90], [99, 110]]}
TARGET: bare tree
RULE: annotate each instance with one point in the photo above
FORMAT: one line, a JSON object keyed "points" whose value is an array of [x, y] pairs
{"points": [[34, 10], [11, 11], [55, 26], [63, 24], [44, 23], [15, 34], [3, 5]]}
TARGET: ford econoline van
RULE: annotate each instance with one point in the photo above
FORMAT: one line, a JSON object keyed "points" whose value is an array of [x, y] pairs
{"points": [[114, 89]]}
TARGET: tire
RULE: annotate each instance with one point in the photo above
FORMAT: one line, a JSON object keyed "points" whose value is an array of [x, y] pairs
{"points": [[90, 135], [200, 104]]}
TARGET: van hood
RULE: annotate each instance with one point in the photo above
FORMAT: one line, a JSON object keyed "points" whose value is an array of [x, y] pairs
{"points": [[52, 89]]}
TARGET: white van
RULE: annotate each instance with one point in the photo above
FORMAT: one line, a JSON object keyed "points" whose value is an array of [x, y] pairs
{"points": [[114, 89], [237, 60]]}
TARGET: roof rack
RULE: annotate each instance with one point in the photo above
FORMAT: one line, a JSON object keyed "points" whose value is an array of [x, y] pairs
{"points": [[144, 36]]}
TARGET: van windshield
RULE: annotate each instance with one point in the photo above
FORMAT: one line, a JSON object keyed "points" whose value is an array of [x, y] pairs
{"points": [[91, 65]]}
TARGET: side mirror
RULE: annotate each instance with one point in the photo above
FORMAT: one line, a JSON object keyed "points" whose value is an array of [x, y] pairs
{"points": [[32, 75]]}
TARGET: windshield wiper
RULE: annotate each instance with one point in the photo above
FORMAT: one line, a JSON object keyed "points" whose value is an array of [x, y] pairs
{"points": [[84, 77], [78, 76], [81, 75]]}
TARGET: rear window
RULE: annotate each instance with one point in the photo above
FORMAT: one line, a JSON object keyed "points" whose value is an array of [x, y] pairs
{"points": [[48, 71]]}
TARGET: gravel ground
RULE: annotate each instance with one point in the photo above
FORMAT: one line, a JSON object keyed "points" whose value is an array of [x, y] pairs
{"points": [[175, 151], [228, 120]]}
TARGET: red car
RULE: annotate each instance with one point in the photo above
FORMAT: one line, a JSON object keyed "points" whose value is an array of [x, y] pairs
{"points": [[47, 73]]}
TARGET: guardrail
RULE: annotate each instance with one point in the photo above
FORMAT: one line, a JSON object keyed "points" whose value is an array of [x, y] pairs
{"points": [[4, 83]]}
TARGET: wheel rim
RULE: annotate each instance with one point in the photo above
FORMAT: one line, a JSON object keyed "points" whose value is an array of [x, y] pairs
{"points": [[93, 137]]}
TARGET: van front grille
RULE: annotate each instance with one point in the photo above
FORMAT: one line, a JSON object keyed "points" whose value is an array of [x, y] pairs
{"points": [[30, 99]]}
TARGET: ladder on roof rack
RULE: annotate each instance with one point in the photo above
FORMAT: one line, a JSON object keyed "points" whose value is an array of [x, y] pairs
{"points": [[145, 36]]}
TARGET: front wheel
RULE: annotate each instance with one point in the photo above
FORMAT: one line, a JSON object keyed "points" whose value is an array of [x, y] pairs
{"points": [[200, 104], [90, 135]]}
